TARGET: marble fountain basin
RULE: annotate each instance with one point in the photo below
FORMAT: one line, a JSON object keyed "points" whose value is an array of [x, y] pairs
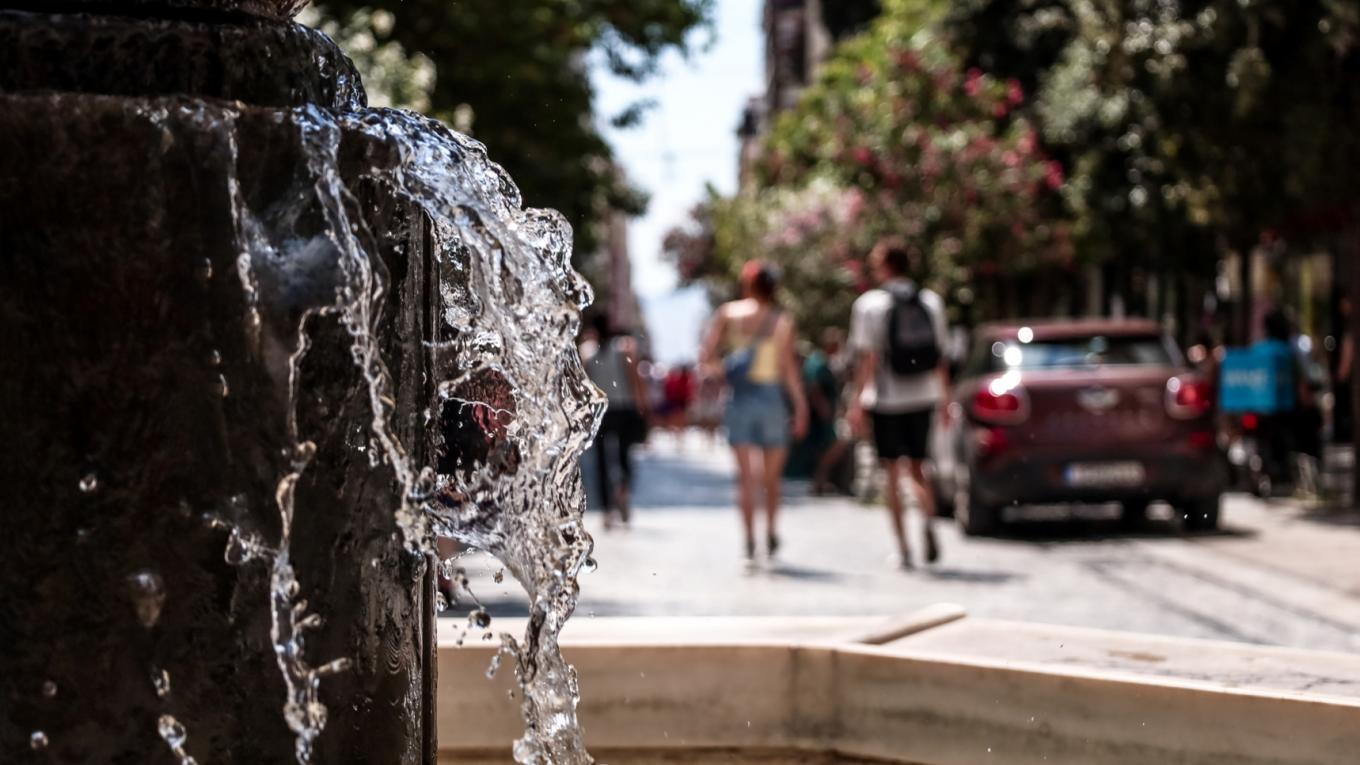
{"points": [[932, 688]]}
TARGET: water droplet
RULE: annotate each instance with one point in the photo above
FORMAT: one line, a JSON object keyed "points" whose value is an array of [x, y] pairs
{"points": [[334, 667], [479, 618], [242, 547], [89, 483], [215, 358], [160, 680], [49, 689], [441, 603], [205, 270], [591, 565], [148, 596], [37, 741], [223, 389], [499, 576], [172, 731]]}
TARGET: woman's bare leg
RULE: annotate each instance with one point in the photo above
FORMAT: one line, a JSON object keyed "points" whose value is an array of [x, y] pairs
{"points": [[747, 480], [774, 474]]}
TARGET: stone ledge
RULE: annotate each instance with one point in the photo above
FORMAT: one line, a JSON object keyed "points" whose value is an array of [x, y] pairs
{"points": [[1215, 664], [910, 700]]}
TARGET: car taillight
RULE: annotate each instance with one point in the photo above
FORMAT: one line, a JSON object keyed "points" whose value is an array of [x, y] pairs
{"points": [[1249, 422], [1187, 397], [1201, 439], [991, 441], [1003, 402]]}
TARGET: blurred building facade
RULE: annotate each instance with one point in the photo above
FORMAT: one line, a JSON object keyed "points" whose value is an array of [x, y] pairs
{"points": [[619, 301], [799, 36]]}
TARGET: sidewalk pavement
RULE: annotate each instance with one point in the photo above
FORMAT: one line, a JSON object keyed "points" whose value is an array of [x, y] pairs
{"points": [[1276, 574]]}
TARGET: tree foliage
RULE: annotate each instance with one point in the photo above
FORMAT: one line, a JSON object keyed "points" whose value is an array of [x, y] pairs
{"points": [[895, 137], [513, 73], [1182, 122]]}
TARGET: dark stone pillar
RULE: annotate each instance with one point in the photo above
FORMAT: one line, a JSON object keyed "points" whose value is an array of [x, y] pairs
{"points": [[143, 411]]}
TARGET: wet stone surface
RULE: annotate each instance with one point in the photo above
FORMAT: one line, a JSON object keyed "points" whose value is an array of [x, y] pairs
{"points": [[259, 62], [127, 470], [277, 9]]}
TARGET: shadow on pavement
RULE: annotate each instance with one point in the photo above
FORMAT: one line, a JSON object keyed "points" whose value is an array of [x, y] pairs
{"points": [[949, 574], [1097, 524], [675, 483], [1331, 516], [790, 571]]}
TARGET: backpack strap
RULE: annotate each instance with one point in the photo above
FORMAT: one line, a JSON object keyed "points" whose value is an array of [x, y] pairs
{"points": [[767, 326], [906, 293]]}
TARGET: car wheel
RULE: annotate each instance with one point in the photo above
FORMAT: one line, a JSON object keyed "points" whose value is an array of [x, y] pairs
{"points": [[1134, 513], [973, 516], [944, 497], [1200, 514]]}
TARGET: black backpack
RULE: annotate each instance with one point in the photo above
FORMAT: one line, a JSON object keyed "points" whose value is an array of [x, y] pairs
{"points": [[912, 345]]}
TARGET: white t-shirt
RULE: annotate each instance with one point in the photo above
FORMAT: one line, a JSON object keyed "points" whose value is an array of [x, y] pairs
{"points": [[888, 393]]}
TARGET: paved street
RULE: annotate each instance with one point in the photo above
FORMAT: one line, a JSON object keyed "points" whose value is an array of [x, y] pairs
{"points": [[1276, 573]]}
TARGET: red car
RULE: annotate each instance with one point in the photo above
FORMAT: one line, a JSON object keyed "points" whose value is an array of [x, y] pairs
{"points": [[1078, 411]]}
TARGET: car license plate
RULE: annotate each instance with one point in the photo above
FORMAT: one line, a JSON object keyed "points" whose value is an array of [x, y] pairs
{"points": [[1105, 474]]}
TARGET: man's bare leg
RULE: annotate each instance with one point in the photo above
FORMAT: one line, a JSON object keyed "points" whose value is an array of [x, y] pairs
{"points": [[892, 494]]}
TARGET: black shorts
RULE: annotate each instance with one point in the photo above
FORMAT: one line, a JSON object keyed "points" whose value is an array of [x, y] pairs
{"points": [[905, 434]]}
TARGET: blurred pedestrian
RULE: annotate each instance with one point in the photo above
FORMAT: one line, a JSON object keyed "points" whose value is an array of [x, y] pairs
{"points": [[612, 364], [837, 374], [677, 394], [1343, 365], [749, 344], [898, 333], [707, 412]]}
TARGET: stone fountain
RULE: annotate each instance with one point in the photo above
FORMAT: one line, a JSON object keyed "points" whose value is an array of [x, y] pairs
{"points": [[264, 346]]}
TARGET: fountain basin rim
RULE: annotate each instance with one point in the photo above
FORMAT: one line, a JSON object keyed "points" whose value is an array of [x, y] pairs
{"points": [[919, 700]]}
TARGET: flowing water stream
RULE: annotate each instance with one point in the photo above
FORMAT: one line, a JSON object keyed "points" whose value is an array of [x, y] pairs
{"points": [[512, 407]]}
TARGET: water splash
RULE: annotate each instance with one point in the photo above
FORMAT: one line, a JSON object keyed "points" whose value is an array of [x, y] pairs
{"points": [[514, 405], [512, 408]]}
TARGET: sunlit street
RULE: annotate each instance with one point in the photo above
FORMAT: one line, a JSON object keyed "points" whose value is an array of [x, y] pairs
{"points": [[1275, 574]]}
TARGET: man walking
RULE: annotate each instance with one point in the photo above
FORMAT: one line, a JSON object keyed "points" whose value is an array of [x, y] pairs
{"points": [[898, 333]]}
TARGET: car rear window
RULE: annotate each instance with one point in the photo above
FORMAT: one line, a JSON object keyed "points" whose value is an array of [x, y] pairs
{"points": [[1074, 353]]}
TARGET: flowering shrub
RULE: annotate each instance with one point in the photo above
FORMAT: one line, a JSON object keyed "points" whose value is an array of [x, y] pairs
{"points": [[926, 152]]}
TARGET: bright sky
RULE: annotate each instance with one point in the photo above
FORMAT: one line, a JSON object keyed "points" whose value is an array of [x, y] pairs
{"points": [[687, 140]]}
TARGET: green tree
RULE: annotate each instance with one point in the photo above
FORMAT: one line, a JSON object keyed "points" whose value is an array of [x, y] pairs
{"points": [[514, 74], [1186, 127]]}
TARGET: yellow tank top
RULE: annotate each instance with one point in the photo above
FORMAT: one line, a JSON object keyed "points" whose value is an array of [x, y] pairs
{"points": [[764, 354]]}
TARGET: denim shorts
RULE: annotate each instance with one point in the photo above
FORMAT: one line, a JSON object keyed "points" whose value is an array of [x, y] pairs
{"points": [[757, 416]]}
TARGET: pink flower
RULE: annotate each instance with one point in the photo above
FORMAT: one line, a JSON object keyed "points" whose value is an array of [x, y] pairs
{"points": [[1011, 159], [1000, 110], [1053, 175], [862, 156], [972, 84], [854, 204], [1014, 93]]}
